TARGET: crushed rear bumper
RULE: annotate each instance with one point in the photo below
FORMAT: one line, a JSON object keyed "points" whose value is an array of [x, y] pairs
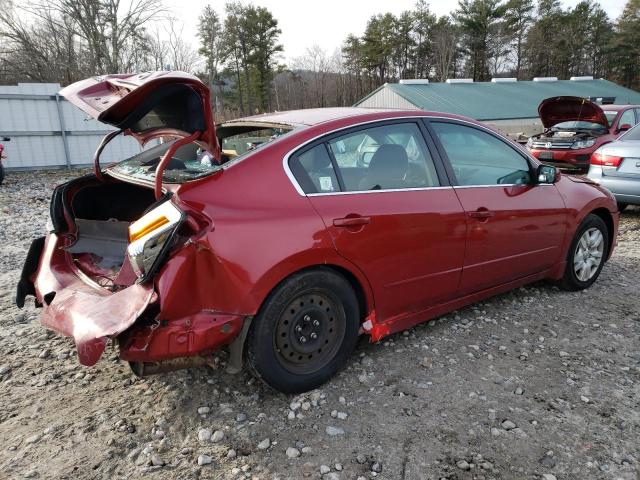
{"points": [[75, 306]]}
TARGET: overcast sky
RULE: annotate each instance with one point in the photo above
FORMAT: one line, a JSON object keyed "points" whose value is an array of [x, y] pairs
{"points": [[325, 22]]}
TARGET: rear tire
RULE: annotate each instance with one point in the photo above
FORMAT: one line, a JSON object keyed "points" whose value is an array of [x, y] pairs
{"points": [[587, 254], [305, 331], [622, 206], [1, 173]]}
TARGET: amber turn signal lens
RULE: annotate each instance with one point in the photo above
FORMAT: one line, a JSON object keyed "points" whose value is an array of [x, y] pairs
{"points": [[138, 231]]}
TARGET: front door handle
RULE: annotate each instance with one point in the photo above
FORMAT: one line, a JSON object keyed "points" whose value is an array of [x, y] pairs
{"points": [[355, 221], [481, 214]]}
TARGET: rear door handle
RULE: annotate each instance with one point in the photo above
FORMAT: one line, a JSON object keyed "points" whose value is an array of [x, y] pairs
{"points": [[481, 214], [355, 221]]}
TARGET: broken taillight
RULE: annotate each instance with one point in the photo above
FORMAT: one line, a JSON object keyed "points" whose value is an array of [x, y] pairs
{"points": [[151, 236]]}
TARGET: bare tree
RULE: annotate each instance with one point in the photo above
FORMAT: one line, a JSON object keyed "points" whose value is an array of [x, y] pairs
{"points": [[445, 48], [41, 52], [316, 63], [181, 55], [158, 51], [110, 29]]}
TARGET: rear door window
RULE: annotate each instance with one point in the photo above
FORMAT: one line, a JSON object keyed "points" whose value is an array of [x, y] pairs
{"points": [[387, 157], [314, 171]]}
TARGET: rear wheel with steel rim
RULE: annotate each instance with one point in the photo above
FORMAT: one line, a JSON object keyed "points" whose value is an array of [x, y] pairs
{"points": [[305, 331], [587, 254], [309, 331]]}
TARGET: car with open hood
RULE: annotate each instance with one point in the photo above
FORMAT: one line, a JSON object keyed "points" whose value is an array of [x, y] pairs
{"points": [[576, 127], [283, 237]]}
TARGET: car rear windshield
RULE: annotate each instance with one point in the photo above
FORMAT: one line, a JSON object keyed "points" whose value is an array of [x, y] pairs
{"points": [[244, 142], [188, 163], [632, 135], [238, 141], [578, 125]]}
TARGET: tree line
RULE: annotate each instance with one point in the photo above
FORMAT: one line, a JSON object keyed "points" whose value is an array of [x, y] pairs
{"points": [[482, 39], [240, 56]]}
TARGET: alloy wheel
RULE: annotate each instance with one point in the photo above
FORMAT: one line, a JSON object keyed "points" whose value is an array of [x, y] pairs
{"points": [[588, 254]]}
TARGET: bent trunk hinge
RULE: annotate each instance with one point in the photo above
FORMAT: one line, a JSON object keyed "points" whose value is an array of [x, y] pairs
{"points": [[96, 156], [167, 157]]}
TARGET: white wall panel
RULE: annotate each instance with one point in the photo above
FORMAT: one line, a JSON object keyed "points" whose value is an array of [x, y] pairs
{"points": [[30, 117]]}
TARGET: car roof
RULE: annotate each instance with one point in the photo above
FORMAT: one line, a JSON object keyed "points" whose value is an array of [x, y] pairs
{"points": [[315, 116], [616, 108]]}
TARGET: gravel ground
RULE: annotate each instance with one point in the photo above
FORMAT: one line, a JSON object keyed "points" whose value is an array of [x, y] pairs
{"points": [[534, 384]]}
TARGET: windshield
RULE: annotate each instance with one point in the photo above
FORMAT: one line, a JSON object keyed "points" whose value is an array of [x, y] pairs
{"points": [[631, 135], [188, 163], [578, 125]]}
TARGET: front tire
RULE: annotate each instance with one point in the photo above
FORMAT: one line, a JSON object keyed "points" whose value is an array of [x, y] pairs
{"points": [[587, 254], [622, 206], [305, 331], [1, 173]]}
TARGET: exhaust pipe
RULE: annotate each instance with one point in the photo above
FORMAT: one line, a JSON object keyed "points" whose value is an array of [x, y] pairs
{"points": [[144, 369]]}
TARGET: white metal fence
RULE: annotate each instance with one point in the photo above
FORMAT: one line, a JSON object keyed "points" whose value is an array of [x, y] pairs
{"points": [[46, 131]]}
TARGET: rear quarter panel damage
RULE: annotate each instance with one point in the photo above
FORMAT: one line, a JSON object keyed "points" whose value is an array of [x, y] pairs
{"points": [[80, 309], [262, 231]]}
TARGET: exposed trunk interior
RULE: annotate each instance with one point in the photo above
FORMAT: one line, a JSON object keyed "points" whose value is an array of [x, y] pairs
{"points": [[111, 200], [102, 212]]}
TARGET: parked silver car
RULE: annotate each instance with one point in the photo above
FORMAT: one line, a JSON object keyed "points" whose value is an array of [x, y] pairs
{"points": [[616, 166]]}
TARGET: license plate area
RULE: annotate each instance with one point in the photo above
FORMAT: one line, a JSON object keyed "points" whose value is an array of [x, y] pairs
{"points": [[545, 155], [630, 165]]}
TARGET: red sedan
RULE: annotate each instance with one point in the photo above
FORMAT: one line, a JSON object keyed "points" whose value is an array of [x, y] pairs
{"points": [[576, 127], [283, 237]]}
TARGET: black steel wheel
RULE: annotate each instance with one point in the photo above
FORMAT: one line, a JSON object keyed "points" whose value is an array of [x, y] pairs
{"points": [[304, 332], [309, 331]]}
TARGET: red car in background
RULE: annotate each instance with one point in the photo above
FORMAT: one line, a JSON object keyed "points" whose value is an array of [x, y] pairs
{"points": [[576, 127], [340, 222], [3, 156]]}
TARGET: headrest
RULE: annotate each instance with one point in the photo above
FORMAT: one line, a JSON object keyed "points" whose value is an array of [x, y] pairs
{"points": [[390, 161], [319, 158]]}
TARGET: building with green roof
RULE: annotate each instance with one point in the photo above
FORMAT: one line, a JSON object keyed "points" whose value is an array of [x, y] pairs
{"points": [[509, 105]]}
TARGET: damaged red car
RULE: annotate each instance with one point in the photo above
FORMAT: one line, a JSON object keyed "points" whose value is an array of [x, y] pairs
{"points": [[284, 237]]}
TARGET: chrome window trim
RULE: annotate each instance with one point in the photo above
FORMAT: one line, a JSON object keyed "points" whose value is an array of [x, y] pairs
{"points": [[501, 185], [323, 194], [298, 188]]}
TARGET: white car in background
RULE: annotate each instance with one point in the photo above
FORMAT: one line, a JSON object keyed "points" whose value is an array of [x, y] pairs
{"points": [[616, 166]]}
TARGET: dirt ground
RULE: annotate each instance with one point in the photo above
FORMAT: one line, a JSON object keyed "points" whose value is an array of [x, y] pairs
{"points": [[534, 384]]}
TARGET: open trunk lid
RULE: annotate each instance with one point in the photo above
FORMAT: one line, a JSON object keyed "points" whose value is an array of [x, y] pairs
{"points": [[568, 109], [149, 105]]}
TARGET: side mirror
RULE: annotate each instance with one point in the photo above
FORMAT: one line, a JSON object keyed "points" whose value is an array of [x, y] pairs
{"points": [[548, 174], [624, 127]]}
